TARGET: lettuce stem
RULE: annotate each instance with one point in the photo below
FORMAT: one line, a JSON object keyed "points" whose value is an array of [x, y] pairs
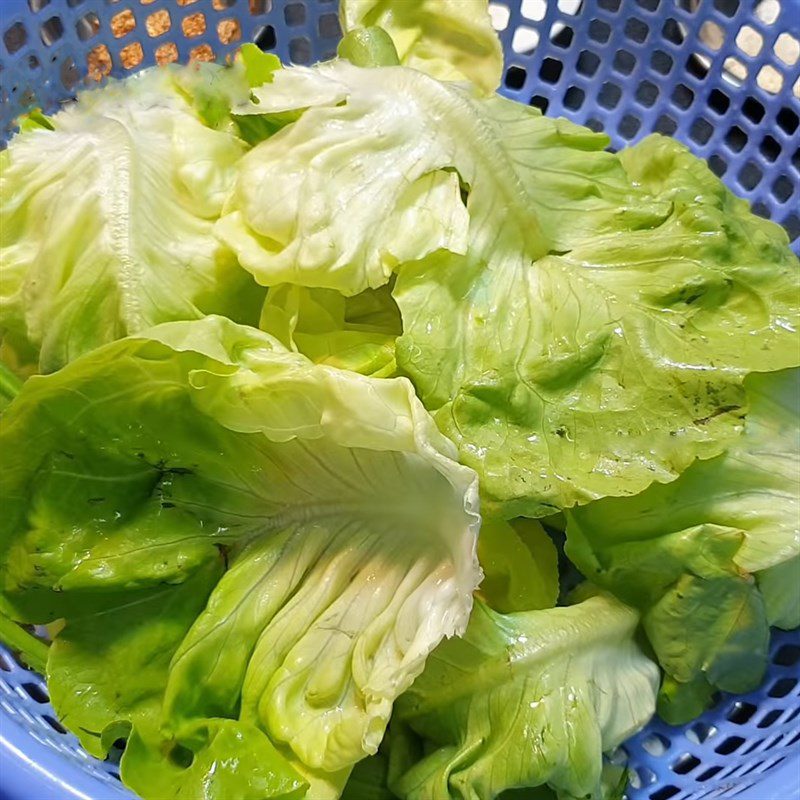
{"points": [[10, 385], [32, 650]]}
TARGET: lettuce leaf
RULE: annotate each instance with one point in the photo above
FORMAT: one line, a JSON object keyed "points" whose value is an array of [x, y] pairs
{"points": [[520, 566], [614, 363], [685, 552], [356, 333], [319, 511], [449, 39], [579, 322], [106, 218], [527, 699]]}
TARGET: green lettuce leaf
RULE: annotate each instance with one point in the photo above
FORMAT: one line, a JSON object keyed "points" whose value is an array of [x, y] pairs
{"points": [[579, 322], [319, 511], [520, 566], [356, 333], [616, 362], [527, 699], [780, 588], [106, 218], [449, 39], [685, 552]]}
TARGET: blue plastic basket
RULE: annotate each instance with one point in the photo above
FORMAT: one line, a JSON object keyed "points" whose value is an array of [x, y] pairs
{"points": [[723, 76]]}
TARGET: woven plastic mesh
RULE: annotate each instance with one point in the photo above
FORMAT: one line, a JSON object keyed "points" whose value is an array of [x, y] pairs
{"points": [[723, 76]]}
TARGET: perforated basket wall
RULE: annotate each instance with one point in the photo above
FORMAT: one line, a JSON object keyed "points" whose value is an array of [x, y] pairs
{"points": [[721, 75]]}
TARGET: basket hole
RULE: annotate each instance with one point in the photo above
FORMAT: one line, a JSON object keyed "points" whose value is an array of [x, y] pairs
{"points": [[749, 177], [599, 31], [792, 715], [628, 126], [534, 9], [685, 764], [574, 97], [561, 35], [588, 63], [515, 77], [711, 35], [787, 120], [661, 62], [328, 26], [609, 96], [260, 7], [194, 25], [537, 101], [222, 5], [789, 654], [782, 190], [649, 5], [792, 225], [166, 54], [36, 692], [186, 2], [123, 23], [785, 685], [15, 37], [665, 793], [524, 40], [551, 70], [624, 62], [54, 723], [707, 774], [787, 48], [671, 32], [701, 731], [594, 124], [229, 30], [682, 96], [203, 52], [735, 67], [760, 210], [74, 3], [37, 5], [610, 5], [295, 14], [158, 23], [499, 15], [33, 62], [727, 7], [656, 744], [636, 30], [98, 62], [768, 11], [717, 165], [735, 139], [666, 125], [131, 55], [742, 711], [68, 72], [87, 26], [749, 41], [718, 101], [646, 93], [795, 738], [696, 67], [300, 50], [571, 7], [770, 79], [730, 745], [265, 38], [769, 718], [701, 130], [753, 110], [643, 776]]}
